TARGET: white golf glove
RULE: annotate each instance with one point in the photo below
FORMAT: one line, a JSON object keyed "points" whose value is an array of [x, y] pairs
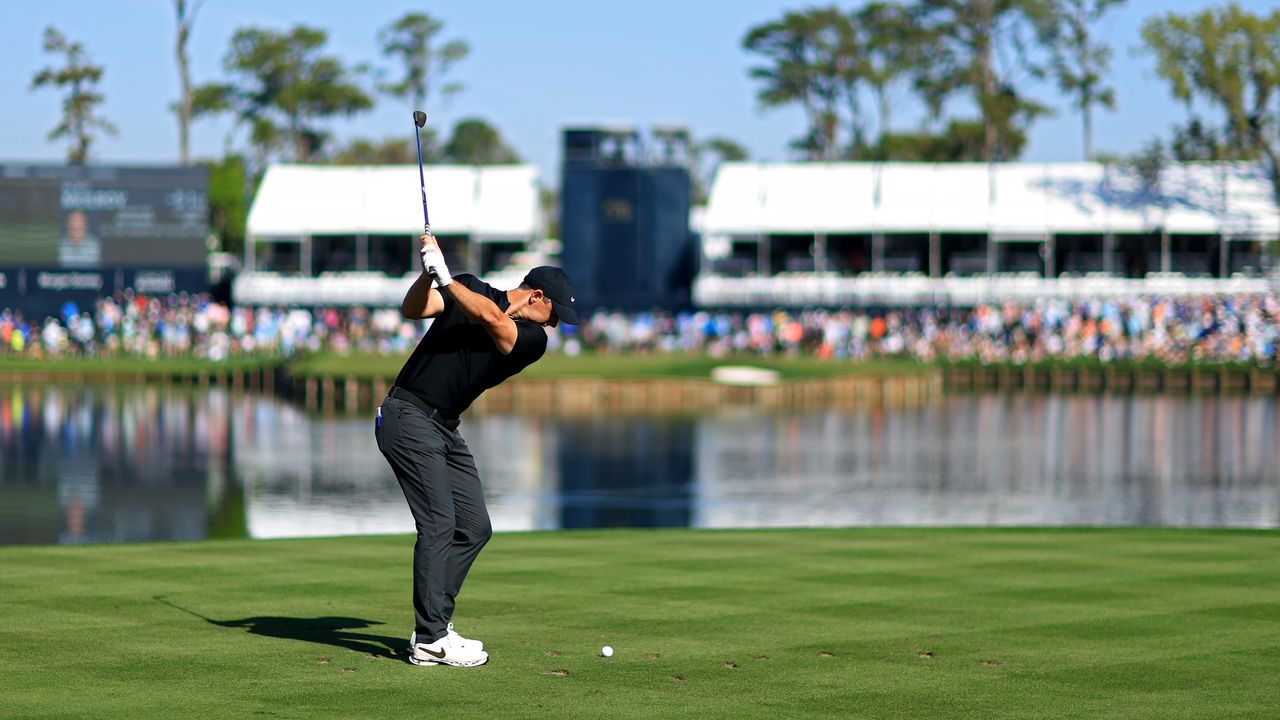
{"points": [[433, 259]]}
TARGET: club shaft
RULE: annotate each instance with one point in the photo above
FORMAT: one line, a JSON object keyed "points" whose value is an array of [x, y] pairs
{"points": [[422, 184], [422, 181]]}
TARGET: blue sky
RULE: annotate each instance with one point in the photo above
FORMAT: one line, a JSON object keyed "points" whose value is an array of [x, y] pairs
{"points": [[533, 68]]}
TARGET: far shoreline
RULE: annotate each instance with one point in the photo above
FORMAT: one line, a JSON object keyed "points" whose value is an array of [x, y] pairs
{"points": [[638, 382]]}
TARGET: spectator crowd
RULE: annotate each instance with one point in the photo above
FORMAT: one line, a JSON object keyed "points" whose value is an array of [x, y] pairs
{"points": [[1174, 330]]}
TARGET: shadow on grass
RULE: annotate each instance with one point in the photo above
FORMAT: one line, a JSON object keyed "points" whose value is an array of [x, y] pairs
{"points": [[328, 630]]}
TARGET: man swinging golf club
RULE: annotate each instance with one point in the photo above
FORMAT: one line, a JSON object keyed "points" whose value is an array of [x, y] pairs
{"points": [[480, 337]]}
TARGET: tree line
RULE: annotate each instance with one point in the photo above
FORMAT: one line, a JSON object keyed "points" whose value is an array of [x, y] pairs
{"points": [[967, 62], [849, 70], [282, 88]]}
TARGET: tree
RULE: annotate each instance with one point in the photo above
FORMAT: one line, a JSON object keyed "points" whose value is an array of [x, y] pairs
{"points": [[724, 149], [549, 201], [892, 40], [1076, 61], [1229, 58], [960, 141], [826, 60], [1198, 142], [848, 44], [1147, 164], [186, 12], [282, 87], [410, 42], [389, 151], [228, 209], [801, 55], [476, 142], [707, 156], [77, 77], [975, 47]]}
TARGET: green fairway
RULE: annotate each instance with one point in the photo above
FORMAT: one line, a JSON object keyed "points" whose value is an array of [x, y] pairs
{"points": [[884, 623]]}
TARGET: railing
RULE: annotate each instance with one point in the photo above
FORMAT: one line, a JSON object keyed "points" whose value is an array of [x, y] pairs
{"points": [[806, 289]]}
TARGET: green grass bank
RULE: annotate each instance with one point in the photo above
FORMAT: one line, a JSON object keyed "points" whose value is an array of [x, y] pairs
{"points": [[625, 366], [552, 366], [592, 365], [1090, 374], [125, 365], [884, 623]]}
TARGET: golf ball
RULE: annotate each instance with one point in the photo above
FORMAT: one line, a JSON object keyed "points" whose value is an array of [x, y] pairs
{"points": [[607, 651]]}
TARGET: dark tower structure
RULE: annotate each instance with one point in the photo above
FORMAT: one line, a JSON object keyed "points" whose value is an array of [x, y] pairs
{"points": [[624, 219]]}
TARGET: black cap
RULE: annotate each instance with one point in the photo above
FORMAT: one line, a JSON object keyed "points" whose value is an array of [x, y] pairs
{"points": [[555, 285]]}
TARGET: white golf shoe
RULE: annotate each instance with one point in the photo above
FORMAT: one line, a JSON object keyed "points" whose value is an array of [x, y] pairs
{"points": [[453, 635], [465, 641], [446, 651]]}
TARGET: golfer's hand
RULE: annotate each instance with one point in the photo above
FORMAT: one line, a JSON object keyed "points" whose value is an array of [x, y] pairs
{"points": [[433, 260]]}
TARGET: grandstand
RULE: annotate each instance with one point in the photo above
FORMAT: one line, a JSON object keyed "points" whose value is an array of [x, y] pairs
{"points": [[962, 233], [344, 235], [797, 234]]}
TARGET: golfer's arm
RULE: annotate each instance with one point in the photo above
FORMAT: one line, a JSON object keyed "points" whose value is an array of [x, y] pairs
{"points": [[482, 310], [422, 301]]}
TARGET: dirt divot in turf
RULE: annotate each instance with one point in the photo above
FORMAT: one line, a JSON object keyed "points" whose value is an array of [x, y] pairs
{"points": [[348, 670], [826, 653], [677, 677], [652, 656], [761, 657], [559, 672], [323, 661], [553, 653], [925, 654], [730, 664], [992, 662]]}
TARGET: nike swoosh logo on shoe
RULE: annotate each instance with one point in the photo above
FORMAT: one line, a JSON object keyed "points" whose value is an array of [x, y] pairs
{"points": [[437, 655]]}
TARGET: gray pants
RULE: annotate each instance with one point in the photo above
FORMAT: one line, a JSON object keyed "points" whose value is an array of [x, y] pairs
{"points": [[438, 476]]}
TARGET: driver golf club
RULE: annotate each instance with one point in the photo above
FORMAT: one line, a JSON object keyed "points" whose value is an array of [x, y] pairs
{"points": [[419, 121]]}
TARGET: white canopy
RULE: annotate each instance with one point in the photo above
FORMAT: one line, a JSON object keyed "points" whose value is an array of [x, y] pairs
{"points": [[492, 202], [1008, 200]]}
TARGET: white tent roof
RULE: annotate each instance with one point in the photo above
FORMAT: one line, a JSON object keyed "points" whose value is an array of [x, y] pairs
{"points": [[1007, 200], [488, 202]]}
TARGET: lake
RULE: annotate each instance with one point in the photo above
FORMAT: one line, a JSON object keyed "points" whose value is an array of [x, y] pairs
{"points": [[87, 464]]}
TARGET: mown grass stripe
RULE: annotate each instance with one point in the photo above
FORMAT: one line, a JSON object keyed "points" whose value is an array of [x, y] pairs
{"points": [[940, 622]]}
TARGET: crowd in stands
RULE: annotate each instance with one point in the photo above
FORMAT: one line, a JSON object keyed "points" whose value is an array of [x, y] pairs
{"points": [[1174, 330], [1203, 329], [182, 325]]}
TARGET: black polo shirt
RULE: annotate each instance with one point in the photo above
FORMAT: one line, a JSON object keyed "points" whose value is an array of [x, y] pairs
{"points": [[457, 360]]}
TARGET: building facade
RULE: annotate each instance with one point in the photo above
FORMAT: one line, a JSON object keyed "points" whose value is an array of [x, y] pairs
{"points": [[818, 233], [344, 235]]}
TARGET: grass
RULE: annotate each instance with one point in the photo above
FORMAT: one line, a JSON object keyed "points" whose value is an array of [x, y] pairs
{"points": [[175, 366], [885, 623], [555, 365], [621, 366]]}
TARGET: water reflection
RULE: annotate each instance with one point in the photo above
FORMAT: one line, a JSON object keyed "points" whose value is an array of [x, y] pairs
{"points": [[84, 464], [997, 460], [96, 464], [617, 472]]}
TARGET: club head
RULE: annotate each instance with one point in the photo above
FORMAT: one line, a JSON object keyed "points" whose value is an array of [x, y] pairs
{"points": [[419, 118]]}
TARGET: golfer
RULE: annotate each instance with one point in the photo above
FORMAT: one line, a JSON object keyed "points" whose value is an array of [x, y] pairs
{"points": [[480, 337]]}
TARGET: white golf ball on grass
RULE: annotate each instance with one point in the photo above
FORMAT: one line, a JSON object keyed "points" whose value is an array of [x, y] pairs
{"points": [[606, 651]]}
